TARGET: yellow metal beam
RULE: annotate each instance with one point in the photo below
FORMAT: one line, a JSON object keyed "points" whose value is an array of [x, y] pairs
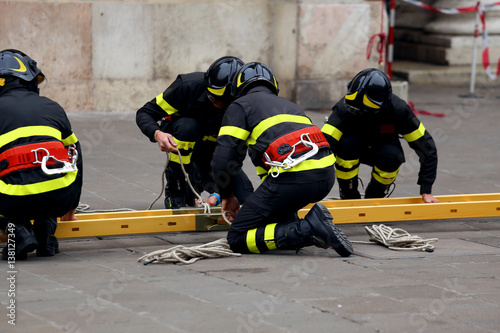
{"points": [[412, 208], [343, 211]]}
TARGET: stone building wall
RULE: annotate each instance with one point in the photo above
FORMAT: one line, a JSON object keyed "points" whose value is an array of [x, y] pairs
{"points": [[116, 55]]}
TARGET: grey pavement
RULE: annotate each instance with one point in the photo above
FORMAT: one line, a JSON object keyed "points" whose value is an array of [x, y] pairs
{"points": [[96, 284]]}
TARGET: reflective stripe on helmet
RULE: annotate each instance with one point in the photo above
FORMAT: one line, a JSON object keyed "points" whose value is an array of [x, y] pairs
{"points": [[218, 92], [369, 103], [22, 67], [352, 96]]}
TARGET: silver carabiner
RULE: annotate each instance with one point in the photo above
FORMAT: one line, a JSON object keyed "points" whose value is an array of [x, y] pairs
{"points": [[290, 162], [67, 166]]}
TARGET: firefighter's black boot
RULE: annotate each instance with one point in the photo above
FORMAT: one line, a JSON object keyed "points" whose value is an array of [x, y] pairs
{"points": [[175, 190], [316, 229], [348, 188], [376, 189], [23, 238], [45, 229]]}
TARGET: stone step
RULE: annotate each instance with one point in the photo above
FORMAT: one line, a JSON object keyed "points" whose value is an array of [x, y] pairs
{"points": [[426, 73], [441, 49]]}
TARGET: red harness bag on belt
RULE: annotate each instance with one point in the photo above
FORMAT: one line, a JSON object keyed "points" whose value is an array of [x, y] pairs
{"points": [[31, 155], [280, 148]]}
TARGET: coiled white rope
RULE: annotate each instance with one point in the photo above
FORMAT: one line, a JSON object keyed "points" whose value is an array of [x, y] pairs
{"points": [[189, 255], [397, 239]]}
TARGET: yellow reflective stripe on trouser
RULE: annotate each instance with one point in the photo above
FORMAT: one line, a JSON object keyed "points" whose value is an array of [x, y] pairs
{"points": [[416, 134], [251, 241], [347, 164], [269, 122], [162, 103], [269, 236], [238, 133], [383, 177], [70, 140], [310, 165], [174, 157], [182, 145], [27, 131], [332, 131], [346, 174], [36, 188]]}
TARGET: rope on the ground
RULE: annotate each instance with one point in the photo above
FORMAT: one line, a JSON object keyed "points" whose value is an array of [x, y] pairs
{"points": [[84, 208], [201, 200], [397, 239], [189, 255]]}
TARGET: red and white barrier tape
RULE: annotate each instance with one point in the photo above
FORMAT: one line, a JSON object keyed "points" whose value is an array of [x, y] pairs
{"points": [[481, 9], [424, 112]]}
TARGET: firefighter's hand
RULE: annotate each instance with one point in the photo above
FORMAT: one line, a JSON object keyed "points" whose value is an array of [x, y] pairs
{"points": [[213, 199], [69, 216], [429, 198], [232, 205], [165, 141]]}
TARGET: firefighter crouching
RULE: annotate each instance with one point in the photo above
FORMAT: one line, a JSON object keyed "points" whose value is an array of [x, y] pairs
{"points": [[364, 127], [292, 158], [190, 112], [40, 161]]}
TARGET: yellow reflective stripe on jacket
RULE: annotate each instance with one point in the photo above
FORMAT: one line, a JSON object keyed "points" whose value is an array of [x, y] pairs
{"points": [[346, 174], [27, 131], [169, 109], [251, 241], [238, 133], [278, 119], [212, 138], [310, 164], [332, 131], [347, 164], [383, 177], [416, 134], [70, 140], [261, 171], [41, 187], [269, 236]]}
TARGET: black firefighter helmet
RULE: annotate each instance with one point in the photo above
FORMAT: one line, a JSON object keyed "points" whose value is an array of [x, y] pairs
{"points": [[219, 76], [254, 74], [368, 92], [17, 64]]}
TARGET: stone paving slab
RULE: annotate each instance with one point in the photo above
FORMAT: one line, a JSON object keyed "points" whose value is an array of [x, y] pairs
{"points": [[96, 284]]}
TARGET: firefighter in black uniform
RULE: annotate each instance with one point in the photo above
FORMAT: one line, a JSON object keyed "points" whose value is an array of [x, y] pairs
{"points": [[364, 127], [40, 161], [191, 111], [292, 158]]}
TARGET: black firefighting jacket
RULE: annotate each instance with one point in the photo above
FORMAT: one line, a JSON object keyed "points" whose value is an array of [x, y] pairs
{"points": [[387, 125], [27, 118], [252, 123], [185, 97]]}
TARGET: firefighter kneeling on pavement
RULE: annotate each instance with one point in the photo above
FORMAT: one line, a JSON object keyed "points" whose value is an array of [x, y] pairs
{"points": [[365, 127], [40, 161], [292, 158]]}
